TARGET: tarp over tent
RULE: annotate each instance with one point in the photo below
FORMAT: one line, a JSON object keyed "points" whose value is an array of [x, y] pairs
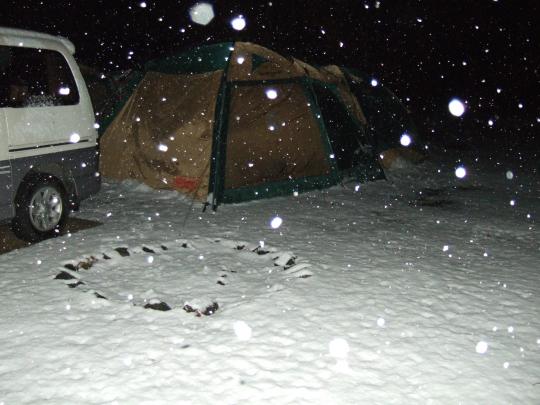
{"points": [[235, 121]]}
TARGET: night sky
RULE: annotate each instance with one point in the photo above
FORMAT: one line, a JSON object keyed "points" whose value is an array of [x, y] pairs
{"points": [[483, 51]]}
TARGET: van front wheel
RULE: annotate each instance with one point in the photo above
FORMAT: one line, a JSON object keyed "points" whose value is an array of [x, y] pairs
{"points": [[41, 210]]}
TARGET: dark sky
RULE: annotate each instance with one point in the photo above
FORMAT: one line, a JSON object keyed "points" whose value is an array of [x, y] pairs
{"points": [[426, 51]]}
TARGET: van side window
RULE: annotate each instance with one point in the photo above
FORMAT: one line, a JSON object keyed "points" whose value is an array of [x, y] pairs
{"points": [[32, 77]]}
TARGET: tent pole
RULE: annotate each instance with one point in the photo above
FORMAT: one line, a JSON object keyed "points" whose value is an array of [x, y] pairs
{"points": [[219, 145], [219, 142]]}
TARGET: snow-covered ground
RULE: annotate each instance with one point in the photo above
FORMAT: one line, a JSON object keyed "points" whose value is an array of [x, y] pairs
{"points": [[422, 289]]}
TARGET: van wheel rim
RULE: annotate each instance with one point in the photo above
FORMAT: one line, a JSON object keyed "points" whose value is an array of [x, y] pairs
{"points": [[46, 209]]}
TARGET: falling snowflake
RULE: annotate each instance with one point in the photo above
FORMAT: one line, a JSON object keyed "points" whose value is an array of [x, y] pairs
{"points": [[276, 222], [481, 347], [405, 139], [201, 13], [238, 23], [338, 348], [461, 172], [242, 330], [271, 94], [456, 107], [74, 138]]}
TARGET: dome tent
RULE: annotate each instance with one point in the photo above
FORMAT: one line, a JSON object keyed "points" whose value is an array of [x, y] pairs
{"points": [[235, 121]]}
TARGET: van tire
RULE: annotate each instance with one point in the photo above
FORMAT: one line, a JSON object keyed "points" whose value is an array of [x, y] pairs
{"points": [[41, 209]]}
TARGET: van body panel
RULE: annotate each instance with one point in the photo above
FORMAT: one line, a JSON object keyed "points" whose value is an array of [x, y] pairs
{"points": [[33, 128], [6, 188], [76, 168], [32, 39], [48, 138], [50, 125]]}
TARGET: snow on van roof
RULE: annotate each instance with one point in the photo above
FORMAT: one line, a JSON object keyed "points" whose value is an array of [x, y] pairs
{"points": [[38, 35]]}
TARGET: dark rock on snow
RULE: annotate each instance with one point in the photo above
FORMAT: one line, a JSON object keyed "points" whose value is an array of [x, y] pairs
{"points": [[159, 306], [64, 275], [123, 251], [73, 285]]}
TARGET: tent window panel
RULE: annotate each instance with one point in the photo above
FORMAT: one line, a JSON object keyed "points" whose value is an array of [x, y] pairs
{"points": [[346, 137], [163, 136], [272, 136]]}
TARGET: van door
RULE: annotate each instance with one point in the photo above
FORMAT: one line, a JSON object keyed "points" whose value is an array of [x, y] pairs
{"points": [[44, 103], [6, 188]]}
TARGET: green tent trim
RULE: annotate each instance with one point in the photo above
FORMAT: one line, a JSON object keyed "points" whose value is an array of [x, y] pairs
{"points": [[219, 141], [277, 189], [201, 59]]}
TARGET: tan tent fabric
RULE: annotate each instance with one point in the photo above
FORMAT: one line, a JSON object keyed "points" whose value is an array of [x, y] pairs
{"points": [[279, 67], [163, 135], [332, 74], [241, 65], [272, 139], [328, 74]]}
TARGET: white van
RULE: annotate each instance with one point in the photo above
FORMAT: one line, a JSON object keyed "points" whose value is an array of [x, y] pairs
{"points": [[48, 143]]}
